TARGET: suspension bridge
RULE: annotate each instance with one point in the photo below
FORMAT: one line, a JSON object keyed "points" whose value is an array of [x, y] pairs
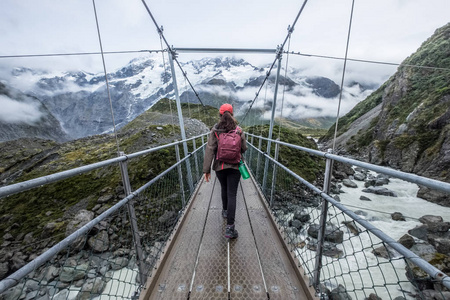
{"points": [[164, 239]]}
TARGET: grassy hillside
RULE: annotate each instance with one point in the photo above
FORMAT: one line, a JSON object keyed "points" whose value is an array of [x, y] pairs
{"points": [[207, 114], [307, 166]]}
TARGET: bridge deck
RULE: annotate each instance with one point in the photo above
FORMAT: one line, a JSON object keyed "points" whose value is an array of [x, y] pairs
{"points": [[197, 265]]}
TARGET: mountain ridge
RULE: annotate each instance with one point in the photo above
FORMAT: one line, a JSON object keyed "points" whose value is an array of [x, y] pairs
{"points": [[405, 124], [80, 102]]}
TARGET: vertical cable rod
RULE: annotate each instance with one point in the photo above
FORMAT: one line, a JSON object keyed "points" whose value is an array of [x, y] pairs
{"points": [[343, 75], [106, 76], [279, 52], [171, 50]]}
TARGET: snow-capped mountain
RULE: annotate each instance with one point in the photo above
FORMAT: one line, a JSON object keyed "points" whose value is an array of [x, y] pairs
{"points": [[81, 103]]}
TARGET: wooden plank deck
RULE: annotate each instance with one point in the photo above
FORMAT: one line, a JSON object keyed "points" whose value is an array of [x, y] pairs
{"points": [[197, 265]]}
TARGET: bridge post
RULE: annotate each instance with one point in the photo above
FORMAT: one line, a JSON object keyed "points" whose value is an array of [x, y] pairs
{"points": [[251, 151], [203, 142], [180, 175], [272, 118], [274, 175], [132, 215], [195, 158], [180, 119], [258, 168], [323, 221]]}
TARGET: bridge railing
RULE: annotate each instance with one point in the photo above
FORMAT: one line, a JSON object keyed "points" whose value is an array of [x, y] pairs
{"points": [[111, 249], [338, 249]]}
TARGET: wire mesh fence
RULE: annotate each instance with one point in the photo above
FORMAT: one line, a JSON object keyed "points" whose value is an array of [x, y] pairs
{"points": [[350, 262], [110, 246]]}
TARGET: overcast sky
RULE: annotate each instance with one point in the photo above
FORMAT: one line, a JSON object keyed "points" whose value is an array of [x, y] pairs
{"points": [[382, 30]]}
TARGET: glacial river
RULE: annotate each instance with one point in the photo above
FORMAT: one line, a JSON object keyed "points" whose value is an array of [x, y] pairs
{"points": [[371, 270], [379, 214]]}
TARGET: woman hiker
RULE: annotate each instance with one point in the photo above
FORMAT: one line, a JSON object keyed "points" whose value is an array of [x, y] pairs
{"points": [[227, 173]]}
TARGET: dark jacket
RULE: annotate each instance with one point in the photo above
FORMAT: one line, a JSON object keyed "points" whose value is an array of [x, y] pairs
{"points": [[211, 150]]}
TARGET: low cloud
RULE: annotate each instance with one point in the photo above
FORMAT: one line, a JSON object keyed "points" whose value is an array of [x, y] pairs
{"points": [[18, 112], [302, 102]]}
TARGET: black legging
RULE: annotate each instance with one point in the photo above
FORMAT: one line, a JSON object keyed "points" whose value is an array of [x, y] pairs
{"points": [[229, 181]]}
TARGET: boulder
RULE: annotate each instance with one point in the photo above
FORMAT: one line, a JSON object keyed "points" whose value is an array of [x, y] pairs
{"points": [[364, 198], [349, 183], [18, 261], [91, 287], [105, 199], [419, 232], [381, 180], [99, 242], [351, 225], [339, 175], [303, 216], [432, 295], [329, 249], [428, 219], [167, 218], [70, 274], [380, 191], [383, 252], [81, 218], [339, 293], [296, 224], [398, 216], [360, 176], [373, 297], [426, 251], [434, 196], [119, 263], [440, 227], [4, 270], [442, 245], [332, 233], [407, 241], [8, 237], [48, 230]]}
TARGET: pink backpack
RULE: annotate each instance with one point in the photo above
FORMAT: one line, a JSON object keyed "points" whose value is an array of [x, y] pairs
{"points": [[229, 146]]}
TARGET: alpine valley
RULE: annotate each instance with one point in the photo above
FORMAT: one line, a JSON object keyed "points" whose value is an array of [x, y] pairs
{"points": [[79, 100]]}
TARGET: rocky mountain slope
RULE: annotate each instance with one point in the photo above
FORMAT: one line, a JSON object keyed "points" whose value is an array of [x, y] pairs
{"points": [[405, 124], [80, 102], [45, 214], [25, 116]]}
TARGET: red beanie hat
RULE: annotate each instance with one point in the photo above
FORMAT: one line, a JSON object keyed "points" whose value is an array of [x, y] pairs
{"points": [[226, 107]]}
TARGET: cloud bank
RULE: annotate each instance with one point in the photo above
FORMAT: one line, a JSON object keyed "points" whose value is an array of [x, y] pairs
{"points": [[18, 112]]}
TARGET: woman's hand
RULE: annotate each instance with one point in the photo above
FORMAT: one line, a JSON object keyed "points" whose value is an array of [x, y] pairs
{"points": [[207, 177]]}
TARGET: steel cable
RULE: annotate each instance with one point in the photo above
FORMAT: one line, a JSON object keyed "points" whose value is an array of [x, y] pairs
{"points": [[106, 77], [174, 55], [279, 52], [343, 76]]}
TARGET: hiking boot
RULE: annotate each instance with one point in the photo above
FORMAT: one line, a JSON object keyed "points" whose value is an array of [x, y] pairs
{"points": [[230, 232], [224, 213]]}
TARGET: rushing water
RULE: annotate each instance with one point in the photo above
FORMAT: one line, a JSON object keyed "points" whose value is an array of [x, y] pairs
{"points": [[370, 270], [365, 268]]}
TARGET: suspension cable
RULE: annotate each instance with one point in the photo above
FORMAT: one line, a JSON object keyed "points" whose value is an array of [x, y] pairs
{"points": [[174, 54], [279, 52], [78, 53], [343, 75], [369, 61], [284, 86], [166, 74], [106, 77]]}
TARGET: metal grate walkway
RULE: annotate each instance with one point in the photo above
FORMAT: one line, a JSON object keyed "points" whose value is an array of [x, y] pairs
{"points": [[197, 266]]}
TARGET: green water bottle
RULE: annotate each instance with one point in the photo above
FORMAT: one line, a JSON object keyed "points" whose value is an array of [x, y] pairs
{"points": [[243, 170]]}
